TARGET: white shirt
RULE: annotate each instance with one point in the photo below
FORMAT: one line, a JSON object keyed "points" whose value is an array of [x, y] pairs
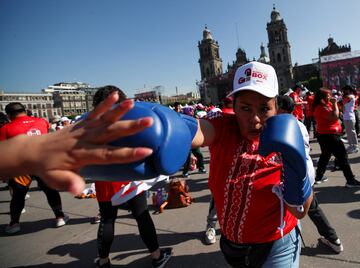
{"points": [[348, 112], [309, 162]]}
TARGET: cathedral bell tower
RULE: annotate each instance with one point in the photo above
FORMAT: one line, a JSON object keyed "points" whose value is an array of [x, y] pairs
{"points": [[210, 61], [279, 50]]}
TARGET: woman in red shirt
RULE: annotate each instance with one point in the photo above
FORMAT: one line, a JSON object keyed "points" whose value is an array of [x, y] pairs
{"points": [[326, 114], [241, 180], [138, 206]]}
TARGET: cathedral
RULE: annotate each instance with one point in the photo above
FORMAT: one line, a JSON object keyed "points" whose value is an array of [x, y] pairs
{"points": [[215, 84]]}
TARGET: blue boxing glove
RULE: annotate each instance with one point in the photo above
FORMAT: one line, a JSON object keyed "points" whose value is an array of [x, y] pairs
{"points": [[282, 134], [169, 137]]}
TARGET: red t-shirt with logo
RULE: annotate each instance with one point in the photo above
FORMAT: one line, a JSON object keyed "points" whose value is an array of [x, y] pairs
{"points": [[106, 189], [28, 125], [241, 182], [323, 124], [298, 110]]}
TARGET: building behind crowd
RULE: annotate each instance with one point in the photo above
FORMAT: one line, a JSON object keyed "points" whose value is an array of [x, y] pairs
{"points": [[63, 99], [72, 98], [156, 96], [341, 69], [39, 104]]}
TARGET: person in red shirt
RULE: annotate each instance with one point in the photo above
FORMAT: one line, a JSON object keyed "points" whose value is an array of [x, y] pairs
{"points": [[241, 180], [55, 158], [309, 118], [298, 111], [326, 114], [138, 206], [21, 123], [228, 105]]}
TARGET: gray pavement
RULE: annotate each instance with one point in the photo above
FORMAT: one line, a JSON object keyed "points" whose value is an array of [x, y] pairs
{"points": [[40, 244]]}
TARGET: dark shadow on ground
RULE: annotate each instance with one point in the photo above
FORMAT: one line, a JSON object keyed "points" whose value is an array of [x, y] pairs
{"points": [[213, 259], [323, 252], [336, 194], [131, 244], [28, 227], [354, 214], [197, 185], [354, 160]]}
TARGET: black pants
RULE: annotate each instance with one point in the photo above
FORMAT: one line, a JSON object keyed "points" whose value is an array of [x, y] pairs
{"points": [[332, 144], [322, 224], [309, 121], [200, 160], [18, 199], [140, 212]]}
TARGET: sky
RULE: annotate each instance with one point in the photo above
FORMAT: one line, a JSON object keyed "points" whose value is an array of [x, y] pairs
{"points": [[137, 44]]}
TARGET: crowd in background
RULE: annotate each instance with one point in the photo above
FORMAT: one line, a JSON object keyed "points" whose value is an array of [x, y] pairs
{"points": [[337, 116]]}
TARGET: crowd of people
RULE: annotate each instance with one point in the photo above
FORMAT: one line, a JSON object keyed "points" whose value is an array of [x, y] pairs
{"points": [[245, 184]]}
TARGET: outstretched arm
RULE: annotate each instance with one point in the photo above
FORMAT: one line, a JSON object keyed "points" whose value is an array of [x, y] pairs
{"points": [[57, 157], [205, 134]]}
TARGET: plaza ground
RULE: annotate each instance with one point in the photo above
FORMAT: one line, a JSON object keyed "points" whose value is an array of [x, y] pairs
{"points": [[40, 244]]}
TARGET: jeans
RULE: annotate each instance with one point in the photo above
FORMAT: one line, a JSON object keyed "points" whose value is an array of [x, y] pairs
{"points": [[281, 253], [285, 252], [351, 133]]}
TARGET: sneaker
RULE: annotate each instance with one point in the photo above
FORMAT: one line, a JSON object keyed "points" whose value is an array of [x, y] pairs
{"points": [[104, 265], [165, 255], [344, 140], [334, 245], [352, 184], [352, 150], [202, 170], [27, 196], [210, 236], [186, 175], [61, 221], [96, 219], [335, 168], [23, 211], [12, 229], [320, 180]]}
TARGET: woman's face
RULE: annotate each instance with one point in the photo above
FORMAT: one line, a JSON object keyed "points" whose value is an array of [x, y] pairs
{"points": [[252, 109], [327, 97]]}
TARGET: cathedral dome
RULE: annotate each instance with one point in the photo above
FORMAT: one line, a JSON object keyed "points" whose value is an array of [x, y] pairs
{"points": [[207, 34], [275, 15]]}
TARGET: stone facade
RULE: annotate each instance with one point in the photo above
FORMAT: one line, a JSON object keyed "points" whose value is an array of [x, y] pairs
{"points": [[72, 98], [39, 104], [210, 61]]}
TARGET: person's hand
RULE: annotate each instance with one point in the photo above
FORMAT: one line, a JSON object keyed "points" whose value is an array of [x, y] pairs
{"points": [[61, 154], [333, 100]]}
